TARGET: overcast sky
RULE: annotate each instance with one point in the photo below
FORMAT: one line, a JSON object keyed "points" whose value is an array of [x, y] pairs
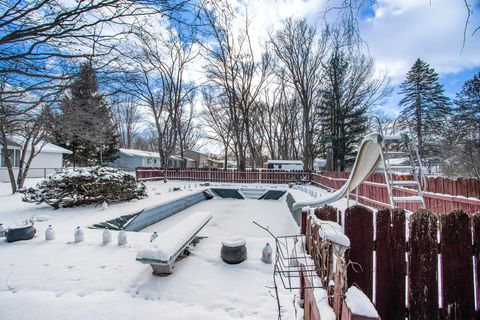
{"points": [[397, 32]]}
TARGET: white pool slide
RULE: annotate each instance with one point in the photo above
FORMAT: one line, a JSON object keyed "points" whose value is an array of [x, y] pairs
{"points": [[368, 156]]}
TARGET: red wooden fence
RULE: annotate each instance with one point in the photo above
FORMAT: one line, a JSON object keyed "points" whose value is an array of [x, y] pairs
{"points": [[441, 194], [220, 175], [321, 253], [455, 272]]}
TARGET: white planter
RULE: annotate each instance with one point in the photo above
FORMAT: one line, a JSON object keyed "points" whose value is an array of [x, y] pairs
{"points": [[122, 238], [79, 235], [107, 236], [49, 233], [267, 254]]}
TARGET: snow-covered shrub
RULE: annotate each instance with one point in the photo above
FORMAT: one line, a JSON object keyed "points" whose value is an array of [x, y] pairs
{"points": [[85, 186]]}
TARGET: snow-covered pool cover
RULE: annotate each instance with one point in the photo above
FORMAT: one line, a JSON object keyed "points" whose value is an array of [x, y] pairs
{"points": [[166, 246], [359, 303]]}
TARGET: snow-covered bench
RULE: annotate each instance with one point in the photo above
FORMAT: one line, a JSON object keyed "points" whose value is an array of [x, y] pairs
{"points": [[165, 249]]}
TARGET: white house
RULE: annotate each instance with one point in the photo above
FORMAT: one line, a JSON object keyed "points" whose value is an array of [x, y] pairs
{"points": [[130, 159], [319, 164], [286, 165], [45, 162]]}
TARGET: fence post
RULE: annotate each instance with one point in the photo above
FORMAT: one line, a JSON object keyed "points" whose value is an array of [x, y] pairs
{"points": [[476, 254], [303, 221]]}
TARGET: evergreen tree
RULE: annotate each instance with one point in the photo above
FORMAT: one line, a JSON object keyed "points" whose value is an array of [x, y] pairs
{"points": [[84, 124], [349, 90], [463, 153], [425, 107], [467, 116]]}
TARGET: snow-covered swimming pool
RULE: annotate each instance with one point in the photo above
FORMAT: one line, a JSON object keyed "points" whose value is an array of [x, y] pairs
{"points": [[234, 217]]}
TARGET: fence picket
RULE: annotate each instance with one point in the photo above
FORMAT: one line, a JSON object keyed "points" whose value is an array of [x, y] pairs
{"points": [[422, 266], [390, 263], [326, 213], [456, 261], [359, 229], [476, 255]]}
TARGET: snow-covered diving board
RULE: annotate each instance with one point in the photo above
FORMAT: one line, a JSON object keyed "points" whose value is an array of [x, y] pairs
{"points": [[165, 249]]}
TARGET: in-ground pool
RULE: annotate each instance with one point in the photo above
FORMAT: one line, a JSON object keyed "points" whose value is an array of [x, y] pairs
{"points": [[234, 217]]}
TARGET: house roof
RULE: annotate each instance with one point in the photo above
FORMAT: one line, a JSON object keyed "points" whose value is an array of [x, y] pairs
{"points": [[285, 161], [46, 147], [197, 152], [53, 148], [146, 154], [138, 153]]}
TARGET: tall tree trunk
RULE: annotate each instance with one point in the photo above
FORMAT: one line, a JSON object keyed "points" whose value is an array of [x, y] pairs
{"points": [[6, 157]]}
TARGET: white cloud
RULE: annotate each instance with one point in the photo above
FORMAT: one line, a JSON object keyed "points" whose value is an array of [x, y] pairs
{"points": [[403, 31]]}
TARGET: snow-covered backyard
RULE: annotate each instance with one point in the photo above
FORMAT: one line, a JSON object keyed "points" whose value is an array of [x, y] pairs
{"points": [[61, 279]]}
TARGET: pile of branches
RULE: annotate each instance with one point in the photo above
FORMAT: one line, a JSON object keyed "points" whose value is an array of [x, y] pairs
{"points": [[93, 185]]}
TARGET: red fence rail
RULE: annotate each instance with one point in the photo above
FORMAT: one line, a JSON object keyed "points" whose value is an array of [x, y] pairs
{"points": [[220, 175], [441, 195]]}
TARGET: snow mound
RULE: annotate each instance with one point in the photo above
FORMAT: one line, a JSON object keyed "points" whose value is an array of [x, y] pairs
{"points": [[331, 231], [234, 242], [168, 244], [359, 303]]}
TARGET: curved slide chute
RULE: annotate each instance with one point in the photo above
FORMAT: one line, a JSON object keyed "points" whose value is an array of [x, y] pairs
{"points": [[368, 156]]}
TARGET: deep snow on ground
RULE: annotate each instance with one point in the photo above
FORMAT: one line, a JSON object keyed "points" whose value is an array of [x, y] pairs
{"points": [[60, 279]]}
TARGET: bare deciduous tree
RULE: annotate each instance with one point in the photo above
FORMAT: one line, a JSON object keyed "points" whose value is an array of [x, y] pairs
{"points": [[127, 117], [158, 81], [237, 74], [301, 51]]}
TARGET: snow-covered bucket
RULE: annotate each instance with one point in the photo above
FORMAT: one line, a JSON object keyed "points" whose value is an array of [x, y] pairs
{"points": [[234, 250]]}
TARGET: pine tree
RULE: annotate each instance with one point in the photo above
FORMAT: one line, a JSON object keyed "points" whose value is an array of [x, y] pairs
{"points": [[464, 153], [349, 90], [425, 107], [84, 124], [467, 116]]}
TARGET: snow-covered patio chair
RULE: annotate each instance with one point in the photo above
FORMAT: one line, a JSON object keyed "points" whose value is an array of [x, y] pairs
{"points": [[162, 253]]}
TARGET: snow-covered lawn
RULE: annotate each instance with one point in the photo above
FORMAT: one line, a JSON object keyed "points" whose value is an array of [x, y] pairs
{"points": [[60, 279]]}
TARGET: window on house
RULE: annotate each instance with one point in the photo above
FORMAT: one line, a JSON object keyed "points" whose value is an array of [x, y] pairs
{"points": [[14, 156], [17, 159]]}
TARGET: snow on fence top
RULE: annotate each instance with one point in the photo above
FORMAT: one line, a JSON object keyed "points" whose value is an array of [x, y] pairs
{"points": [[168, 244], [330, 230], [359, 304]]}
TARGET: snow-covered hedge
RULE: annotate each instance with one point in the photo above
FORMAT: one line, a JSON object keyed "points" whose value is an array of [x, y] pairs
{"points": [[85, 186]]}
